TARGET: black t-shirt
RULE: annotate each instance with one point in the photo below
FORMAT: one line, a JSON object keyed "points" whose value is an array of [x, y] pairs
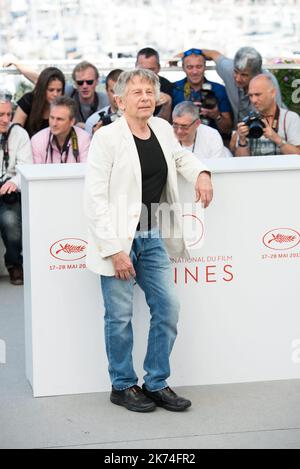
{"points": [[25, 104], [154, 176], [165, 87]]}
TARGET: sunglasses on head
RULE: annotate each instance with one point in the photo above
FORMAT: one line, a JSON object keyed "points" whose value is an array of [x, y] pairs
{"points": [[192, 51], [81, 82]]}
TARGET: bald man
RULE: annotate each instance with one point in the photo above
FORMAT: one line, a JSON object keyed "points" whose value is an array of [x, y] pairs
{"points": [[281, 133]]}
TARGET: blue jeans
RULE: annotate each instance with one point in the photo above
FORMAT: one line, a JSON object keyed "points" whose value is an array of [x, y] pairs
{"points": [[11, 232], [154, 276]]}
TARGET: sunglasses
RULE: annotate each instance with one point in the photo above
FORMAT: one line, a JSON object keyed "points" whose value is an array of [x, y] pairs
{"points": [[183, 127], [81, 82], [192, 51]]}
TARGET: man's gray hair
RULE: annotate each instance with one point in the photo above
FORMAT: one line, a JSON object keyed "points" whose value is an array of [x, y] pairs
{"points": [[186, 107], [248, 57], [5, 96], [143, 74]]}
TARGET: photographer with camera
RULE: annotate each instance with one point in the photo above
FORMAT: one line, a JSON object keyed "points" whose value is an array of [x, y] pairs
{"points": [[14, 149], [237, 74], [107, 114], [210, 97], [62, 142], [270, 130]]}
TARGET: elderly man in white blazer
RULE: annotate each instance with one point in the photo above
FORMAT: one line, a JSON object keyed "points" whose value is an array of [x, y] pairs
{"points": [[132, 170]]}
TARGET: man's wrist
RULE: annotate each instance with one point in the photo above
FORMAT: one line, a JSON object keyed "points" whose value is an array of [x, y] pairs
{"points": [[281, 143], [243, 142]]}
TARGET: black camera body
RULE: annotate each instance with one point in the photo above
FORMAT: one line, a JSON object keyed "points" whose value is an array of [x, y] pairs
{"points": [[107, 119], [209, 99], [255, 124], [11, 198]]}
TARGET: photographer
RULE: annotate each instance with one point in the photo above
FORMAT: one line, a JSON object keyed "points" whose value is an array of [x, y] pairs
{"points": [[14, 149], [62, 142], [211, 97], [237, 74], [108, 113], [85, 77], [273, 130]]}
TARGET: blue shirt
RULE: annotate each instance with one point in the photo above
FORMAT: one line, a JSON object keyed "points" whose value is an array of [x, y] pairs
{"points": [[196, 96]]}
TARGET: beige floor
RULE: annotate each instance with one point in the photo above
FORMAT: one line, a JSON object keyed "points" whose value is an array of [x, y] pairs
{"points": [[255, 415]]}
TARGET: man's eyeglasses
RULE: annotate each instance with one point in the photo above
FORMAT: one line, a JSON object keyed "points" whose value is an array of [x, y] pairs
{"points": [[81, 82], [183, 127], [192, 51]]}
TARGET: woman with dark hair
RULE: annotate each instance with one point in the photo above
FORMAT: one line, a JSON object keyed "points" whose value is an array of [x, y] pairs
{"points": [[34, 107]]}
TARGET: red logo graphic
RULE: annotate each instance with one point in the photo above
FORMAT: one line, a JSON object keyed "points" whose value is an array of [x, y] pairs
{"points": [[281, 239], [69, 249], [193, 230]]}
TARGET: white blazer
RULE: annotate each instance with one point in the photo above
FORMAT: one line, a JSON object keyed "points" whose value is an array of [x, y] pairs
{"points": [[113, 192]]}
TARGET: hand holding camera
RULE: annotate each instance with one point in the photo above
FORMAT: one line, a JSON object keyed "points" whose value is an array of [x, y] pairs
{"points": [[212, 113], [255, 126], [270, 133], [243, 132], [105, 119]]}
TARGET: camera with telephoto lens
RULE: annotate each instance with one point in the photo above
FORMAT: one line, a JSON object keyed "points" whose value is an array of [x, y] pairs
{"points": [[209, 99], [107, 119], [255, 124], [11, 198]]}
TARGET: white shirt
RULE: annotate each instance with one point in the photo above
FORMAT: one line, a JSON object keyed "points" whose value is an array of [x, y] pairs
{"points": [[94, 119], [208, 143], [19, 150]]}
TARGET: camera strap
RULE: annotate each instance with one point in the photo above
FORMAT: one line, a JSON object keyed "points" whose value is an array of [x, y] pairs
{"points": [[189, 92], [5, 148], [65, 148], [275, 124]]}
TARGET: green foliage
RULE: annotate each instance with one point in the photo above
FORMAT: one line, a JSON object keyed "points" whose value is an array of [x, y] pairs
{"points": [[289, 82], [24, 87]]}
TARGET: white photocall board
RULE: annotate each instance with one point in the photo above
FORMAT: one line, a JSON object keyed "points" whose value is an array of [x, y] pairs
{"points": [[240, 317]]}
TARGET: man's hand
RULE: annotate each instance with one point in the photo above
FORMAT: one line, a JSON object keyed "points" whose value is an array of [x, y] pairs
{"points": [[123, 266], [8, 187], [9, 60], [270, 133], [164, 98], [242, 131], [211, 113], [204, 190], [97, 126]]}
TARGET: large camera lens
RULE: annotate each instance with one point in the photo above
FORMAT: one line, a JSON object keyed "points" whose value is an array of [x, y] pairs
{"points": [[255, 124], [256, 129], [209, 100]]}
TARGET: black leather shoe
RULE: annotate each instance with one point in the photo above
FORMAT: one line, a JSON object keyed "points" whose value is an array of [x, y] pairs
{"points": [[168, 399], [133, 399]]}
